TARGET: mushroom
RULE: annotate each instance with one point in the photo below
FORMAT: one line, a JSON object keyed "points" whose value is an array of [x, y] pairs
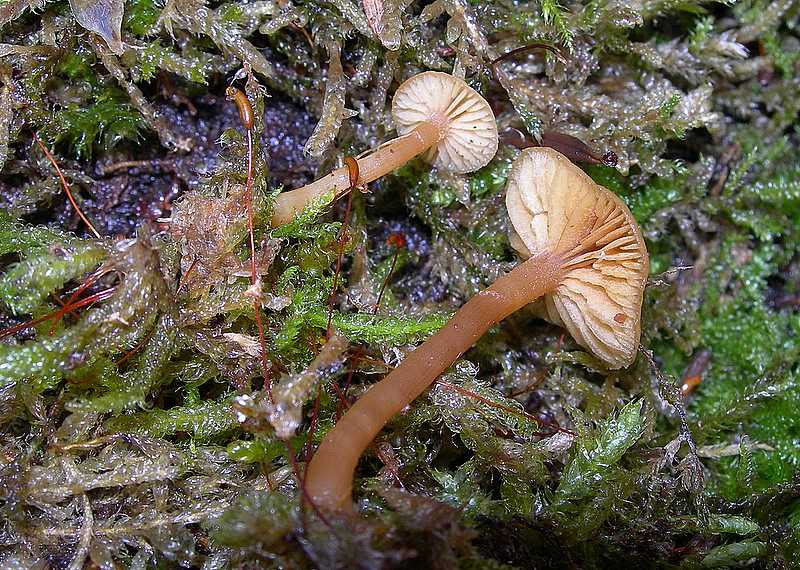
{"points": [[554, 206], [436, 114], [584, 254]]}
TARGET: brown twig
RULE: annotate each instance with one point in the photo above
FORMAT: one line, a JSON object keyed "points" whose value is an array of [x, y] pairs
{"points": [[246, 117], [527, 49], [352, 166], [185, 277], [398, 241], [150, 165], [693, 375], [88, 282]]}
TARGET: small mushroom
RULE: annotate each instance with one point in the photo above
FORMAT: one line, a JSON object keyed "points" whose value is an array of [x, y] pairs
{"points": [[584, 254], [555, 207], [435, 114]]}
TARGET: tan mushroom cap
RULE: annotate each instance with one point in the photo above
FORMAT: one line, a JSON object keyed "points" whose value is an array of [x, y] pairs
{"points": [[469, 131], [554, 206]]}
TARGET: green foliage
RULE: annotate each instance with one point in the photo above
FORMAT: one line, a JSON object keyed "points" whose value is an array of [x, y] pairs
{"points": [[390, 331], [737, 553], [597, 454], [107, 120], [36, 366], [141, 431], [657, 195], [721, 524], [30, 241], [460, 490], [309, 311], [304, 226], [553, 15], [27, 284], [132, 388], [256, 451], [77, 66], [258, 518], [752, 346], [141, 16], [489, 180], [154, 56], [203, 421], [784, 60]]}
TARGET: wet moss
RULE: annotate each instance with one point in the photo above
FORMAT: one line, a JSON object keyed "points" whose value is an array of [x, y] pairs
{"points": [[140, 428]]}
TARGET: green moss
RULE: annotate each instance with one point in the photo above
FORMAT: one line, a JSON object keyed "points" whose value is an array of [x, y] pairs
{"points": [[258, 518], [77, 66], [231, 13], [730, 554], [147, 415], [597, 454], [553, 15], [256, 450], [490, 179], [30, 241], [203, 421], [783, 59], [26, 285], [666, 109], [154, 56], [657, 195], [107, 120], [140, 16], [131, 389]]}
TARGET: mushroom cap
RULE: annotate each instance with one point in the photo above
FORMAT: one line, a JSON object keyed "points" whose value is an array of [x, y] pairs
{"points": [[555, 207], [468, 139]]}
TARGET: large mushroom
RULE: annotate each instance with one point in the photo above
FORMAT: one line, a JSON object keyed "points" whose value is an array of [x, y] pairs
{"points": [[583, 253], [435, 114], [555, 207]]}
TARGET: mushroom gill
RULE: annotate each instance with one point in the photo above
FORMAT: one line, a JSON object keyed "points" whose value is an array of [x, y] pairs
{"points": [[556, 207]]}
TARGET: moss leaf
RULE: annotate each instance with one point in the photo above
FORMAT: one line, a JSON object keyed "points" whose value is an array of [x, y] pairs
{"points": [[594, 455]]}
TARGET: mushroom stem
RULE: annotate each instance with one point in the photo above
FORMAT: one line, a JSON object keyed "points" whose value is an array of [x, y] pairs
{"points": [[329, 477], [383, 160]]}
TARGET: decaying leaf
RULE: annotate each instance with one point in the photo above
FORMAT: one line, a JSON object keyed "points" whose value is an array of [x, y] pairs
{"points": [[374, 11], [103, 17], [286, 412]]}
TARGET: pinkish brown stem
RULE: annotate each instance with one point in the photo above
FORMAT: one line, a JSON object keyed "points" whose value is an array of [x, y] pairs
{"points": [[329, 477], [381, 161]]}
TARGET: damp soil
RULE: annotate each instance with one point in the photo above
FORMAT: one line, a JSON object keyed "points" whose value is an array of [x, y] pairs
{"points": [[137, 183]]}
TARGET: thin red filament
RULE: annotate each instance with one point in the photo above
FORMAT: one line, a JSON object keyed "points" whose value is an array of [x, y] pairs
{"points": [[66, 187]]}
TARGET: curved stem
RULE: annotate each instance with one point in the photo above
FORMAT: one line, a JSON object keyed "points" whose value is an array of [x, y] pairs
{"points": [[329, 477], [383, 160]]}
